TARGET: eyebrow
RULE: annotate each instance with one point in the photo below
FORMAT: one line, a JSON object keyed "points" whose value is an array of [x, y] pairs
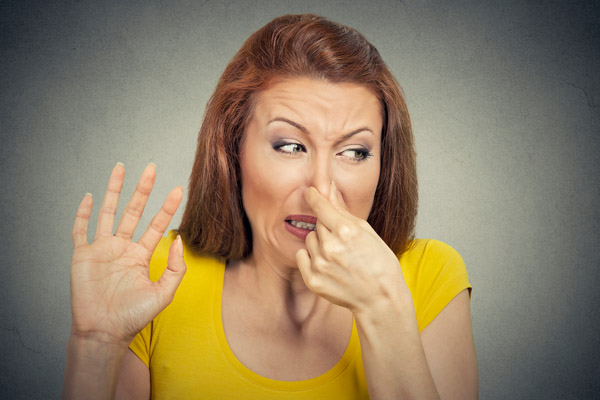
{"points": [[305, 131]]}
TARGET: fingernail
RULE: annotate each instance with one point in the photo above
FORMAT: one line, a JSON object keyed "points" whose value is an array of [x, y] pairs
{"points": [[120, 163], [88, 194], [151, 163], [179, 246]]}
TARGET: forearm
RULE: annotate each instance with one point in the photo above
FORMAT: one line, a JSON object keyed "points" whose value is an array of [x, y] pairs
{"points": [[393, 356], [92, 368]]}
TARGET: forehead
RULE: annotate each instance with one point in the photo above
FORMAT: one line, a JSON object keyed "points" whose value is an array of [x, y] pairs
{"points": [[307, 98]]}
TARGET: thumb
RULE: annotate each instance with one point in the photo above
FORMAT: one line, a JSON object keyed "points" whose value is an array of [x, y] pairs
{"points": [[172, 275]]}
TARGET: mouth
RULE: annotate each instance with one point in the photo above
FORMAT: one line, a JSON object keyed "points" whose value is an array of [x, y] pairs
{"points": [[300, 225], [303, 225]]}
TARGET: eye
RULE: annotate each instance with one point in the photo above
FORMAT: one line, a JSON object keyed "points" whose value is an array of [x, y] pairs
{"points": [[289, 148], [357, 154]]}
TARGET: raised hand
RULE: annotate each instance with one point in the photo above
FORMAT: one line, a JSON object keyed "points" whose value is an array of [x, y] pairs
{"points": [[346, 262], [112, 296]]}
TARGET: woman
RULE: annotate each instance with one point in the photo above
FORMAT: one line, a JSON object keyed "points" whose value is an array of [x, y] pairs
{"points": [[302, 279]]}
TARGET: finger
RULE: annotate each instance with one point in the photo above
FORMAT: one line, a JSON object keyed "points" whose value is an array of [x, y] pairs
{"points": [[108, 210], [172, 275], [81, 220], [313, 245], [330, 245], [161, 220], [325, 212], [324, 235], [335, 198], [135, 208]]}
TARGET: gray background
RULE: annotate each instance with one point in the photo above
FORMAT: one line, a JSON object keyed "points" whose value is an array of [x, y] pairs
{"points": [[505, 100]]}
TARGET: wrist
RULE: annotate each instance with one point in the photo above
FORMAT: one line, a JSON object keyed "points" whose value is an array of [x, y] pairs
{"points": [[388, 292], [96, 346], [88, 357], [92, 368], [391, 309], [99, 337]]}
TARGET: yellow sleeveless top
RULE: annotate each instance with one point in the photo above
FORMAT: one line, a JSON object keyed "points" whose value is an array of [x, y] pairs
{"points": [[189, 358]]}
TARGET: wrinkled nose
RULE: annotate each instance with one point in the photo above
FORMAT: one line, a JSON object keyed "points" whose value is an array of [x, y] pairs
{"points": [[320, 175]]}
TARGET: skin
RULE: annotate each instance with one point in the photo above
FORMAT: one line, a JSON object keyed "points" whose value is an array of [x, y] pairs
{"points": [[297, 158], [112, 296], [303, 134], [274, 182]]}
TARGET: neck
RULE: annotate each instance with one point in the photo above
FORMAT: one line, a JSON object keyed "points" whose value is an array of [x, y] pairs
{"points": [[280, 289]]}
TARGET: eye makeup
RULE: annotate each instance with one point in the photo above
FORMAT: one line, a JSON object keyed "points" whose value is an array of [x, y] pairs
{"points": [[357, 154], [360, 154], [288, 147]]}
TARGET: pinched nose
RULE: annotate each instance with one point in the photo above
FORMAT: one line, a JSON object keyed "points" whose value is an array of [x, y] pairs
{"points": [[319, 176], [323, 188]]}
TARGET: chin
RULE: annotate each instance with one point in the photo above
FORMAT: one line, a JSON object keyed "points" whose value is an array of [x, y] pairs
{"points": [[288, 253]]}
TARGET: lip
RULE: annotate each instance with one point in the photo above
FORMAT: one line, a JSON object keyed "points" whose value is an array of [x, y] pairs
{"points": [[302, 218], [300, 233]]}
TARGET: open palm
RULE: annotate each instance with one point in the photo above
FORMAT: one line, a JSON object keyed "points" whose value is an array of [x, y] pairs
{"points": [[112, 296]]}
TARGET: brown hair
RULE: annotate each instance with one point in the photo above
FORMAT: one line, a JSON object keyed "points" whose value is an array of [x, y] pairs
{"points": [[295, 46]]}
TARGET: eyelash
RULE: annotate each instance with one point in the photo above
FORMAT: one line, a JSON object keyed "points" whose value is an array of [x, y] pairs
{"points": [[364, 154], [297, 147]]}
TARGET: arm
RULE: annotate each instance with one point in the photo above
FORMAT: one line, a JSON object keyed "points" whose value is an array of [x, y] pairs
{"points": [[92, 366], [401, 363], [393, 355], [134, 379], [450, 350], [347, 263], [112, 296]]}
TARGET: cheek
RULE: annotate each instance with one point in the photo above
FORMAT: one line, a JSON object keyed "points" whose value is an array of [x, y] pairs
{"points": [[255, 189], [358, 190], [265, 186]]}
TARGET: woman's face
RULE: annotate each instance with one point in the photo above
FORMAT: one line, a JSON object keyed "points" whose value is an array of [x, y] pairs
{"points": [[303, 133]]}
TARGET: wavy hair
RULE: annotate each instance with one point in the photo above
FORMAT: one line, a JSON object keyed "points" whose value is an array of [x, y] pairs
{"points": [[291, 46]]}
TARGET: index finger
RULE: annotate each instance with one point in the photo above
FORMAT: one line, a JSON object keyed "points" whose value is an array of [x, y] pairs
{"points": [[326, 213]]}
